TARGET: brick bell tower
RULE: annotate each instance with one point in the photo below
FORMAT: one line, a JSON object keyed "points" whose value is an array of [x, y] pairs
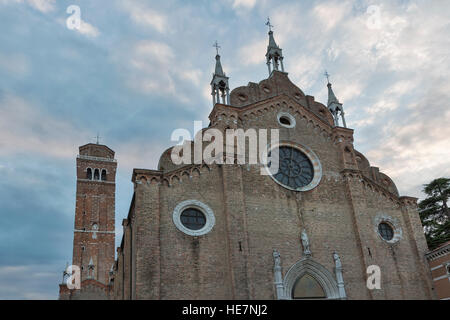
{"points": [[94, 232]]}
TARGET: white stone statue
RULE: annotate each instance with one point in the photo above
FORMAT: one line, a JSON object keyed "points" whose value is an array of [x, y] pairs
{"points": [[277, 274], [337, 260], [276, 259], [305, 243], [339, 276]]}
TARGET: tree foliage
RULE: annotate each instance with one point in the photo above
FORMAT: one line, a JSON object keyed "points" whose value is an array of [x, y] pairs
{"points": [[434, 212]]}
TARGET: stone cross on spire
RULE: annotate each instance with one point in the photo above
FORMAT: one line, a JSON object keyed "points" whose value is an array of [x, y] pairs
{"points": [[326, 74], [268, 24], [220, 89], [98, 138], [274, 55], [216, 45]]}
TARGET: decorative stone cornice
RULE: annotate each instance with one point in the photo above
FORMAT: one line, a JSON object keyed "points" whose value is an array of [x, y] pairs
{"points": [[408, 201], [281, 102], [92, 158], [438, 252], [376, 187], [96, 181], [169, 178]]}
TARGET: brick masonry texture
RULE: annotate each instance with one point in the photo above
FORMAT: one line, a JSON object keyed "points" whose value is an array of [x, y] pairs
{"points": [[95, 204], [255, 215]]}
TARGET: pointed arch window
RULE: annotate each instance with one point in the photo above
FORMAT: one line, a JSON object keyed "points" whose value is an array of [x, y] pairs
{"points": [[89, 174], [103, 175], [96, 174]]}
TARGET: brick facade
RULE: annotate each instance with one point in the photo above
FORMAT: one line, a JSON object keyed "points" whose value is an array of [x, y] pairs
{"points": [[94, 228], [254, 215], [439, 263]]}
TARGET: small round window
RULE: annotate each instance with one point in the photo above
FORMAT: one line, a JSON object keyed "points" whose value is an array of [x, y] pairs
{"points": [[286, 120], [193, 219], [386, 231]]}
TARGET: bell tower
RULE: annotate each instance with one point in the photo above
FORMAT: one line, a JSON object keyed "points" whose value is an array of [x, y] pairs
{"points": [[94, 230], [334, 105], [220, 90], [274, 55]]}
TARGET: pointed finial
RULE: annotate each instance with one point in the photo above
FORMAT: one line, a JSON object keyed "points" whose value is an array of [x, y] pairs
{"points": [[97, 138], [216, 45], [326, 74], [268, 24]]}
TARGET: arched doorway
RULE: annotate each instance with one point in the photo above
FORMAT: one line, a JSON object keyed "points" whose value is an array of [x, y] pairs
{"points": [[308, 279]]}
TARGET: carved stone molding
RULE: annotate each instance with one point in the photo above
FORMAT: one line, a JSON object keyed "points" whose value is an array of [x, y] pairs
{"points": [[206, 210]]}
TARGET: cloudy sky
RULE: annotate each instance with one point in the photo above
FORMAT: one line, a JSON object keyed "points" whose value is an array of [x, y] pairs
{"points": [[136, 70]]}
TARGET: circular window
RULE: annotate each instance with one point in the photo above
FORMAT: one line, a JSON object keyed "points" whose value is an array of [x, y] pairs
{"points": [[386, 231], [193, 217], [294, 167], [387, 228], [286, 120]]}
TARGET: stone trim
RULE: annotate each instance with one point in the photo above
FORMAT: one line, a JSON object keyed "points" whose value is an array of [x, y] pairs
{"points": [[209, 215], [437, 253], [311, 156], [372, 186], [170, 178], [289, 116], [96, 181], [442, 277], [93, 231], [85, 157], [314, 269]]}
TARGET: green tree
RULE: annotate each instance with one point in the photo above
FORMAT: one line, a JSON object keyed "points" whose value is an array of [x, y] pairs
{"points": [[434, 212]]}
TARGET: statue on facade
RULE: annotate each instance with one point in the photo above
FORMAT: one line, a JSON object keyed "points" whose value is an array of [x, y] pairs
{"points": [[305, 243], [276, 258], [337, 260]]}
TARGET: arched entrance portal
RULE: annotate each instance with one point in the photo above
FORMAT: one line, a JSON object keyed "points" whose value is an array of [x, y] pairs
{"points": [[308, 279]]}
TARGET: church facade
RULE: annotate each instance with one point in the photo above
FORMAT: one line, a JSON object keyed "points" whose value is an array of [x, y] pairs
{"points": [[314, 229]]}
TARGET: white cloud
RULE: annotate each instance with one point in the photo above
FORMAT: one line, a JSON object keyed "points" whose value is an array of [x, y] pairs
{"points": [[147, 58], [254, 52], [331, 13], [24, 129], [141, 14], [88, 29], [44, 6], [247, 4]]}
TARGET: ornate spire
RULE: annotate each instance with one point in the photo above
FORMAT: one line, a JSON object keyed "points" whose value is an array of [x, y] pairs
{"points": [[334, 105], [219, 82], [219, 70], [274, 55]]}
